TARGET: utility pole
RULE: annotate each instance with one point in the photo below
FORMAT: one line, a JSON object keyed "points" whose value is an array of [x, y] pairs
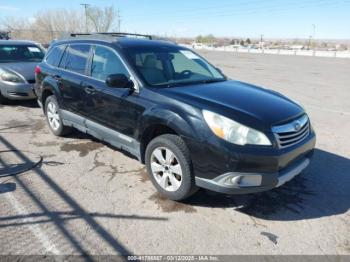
{"points": [[312, 37], [261, 41], [119, 20], [309, 45], [86, 6]]}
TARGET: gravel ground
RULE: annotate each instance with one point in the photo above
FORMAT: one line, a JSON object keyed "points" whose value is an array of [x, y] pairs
{"points": [[75, 195]]}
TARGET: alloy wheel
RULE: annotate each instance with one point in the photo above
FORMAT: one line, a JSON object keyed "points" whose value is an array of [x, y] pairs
{"points": [[166, 169], [53, 116]]}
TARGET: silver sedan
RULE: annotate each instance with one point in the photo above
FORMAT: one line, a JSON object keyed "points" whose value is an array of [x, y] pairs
{"points": [[18, 60]]}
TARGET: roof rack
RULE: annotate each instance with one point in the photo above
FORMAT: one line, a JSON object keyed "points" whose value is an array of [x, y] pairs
{"points": [[111, 34]]}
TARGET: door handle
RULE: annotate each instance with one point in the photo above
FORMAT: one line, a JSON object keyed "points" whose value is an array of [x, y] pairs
{"points": [[89, 90]]}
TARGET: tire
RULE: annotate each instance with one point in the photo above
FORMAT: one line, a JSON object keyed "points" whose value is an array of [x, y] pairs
{"points": [[53, 117], [3, 100], [163, 169]]}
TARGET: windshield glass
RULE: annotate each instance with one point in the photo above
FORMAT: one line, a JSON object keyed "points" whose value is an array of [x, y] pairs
{"points": [[20, 53], [171, 66]]}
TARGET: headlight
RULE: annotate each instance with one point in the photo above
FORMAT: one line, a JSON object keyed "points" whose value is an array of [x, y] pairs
{"points": [[10, 77], [234, 132]]}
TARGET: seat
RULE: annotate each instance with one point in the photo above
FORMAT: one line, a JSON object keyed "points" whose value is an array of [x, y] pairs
{"points": [[150, 72]]}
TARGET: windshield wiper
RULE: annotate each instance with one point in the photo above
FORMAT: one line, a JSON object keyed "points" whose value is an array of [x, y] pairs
{"points": [[208, 81]]}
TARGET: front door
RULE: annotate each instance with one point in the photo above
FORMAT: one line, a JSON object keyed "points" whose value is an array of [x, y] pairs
{"points": [[114, 108]]}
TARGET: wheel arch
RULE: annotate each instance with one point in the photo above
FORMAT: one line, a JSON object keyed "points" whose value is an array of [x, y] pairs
{"points": [[49, 87], [159, 122]]}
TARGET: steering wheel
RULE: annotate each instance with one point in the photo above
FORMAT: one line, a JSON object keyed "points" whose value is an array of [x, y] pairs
{"points": [[186, 74]]}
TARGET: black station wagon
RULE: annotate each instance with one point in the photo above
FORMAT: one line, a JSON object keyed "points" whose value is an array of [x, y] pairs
{"points": [[174, 111]]}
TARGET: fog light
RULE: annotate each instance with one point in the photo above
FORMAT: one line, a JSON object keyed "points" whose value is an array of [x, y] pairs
{"points": [[246, 180], [236, 180]]}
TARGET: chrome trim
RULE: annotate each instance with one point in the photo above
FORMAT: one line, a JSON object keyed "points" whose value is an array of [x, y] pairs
{"points": [[293, 173], [290, 127], [302, 130], [292, 133]]}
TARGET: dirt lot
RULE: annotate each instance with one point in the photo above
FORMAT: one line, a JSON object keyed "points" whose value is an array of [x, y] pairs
{"points": [[81, 196]]}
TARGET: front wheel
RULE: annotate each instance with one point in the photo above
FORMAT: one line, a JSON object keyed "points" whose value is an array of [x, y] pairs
{"points": [[53, 117], [169, 167], [3, 100]]}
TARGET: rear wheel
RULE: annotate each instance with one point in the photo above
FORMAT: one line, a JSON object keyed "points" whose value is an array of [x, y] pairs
{"points": [[169, 167], [54, 118]]}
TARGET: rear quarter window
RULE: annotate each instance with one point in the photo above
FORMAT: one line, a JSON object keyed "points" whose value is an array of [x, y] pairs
{"points": [[54, 56], [76, 58]]}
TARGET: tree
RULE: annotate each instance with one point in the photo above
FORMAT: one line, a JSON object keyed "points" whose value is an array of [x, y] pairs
{"points": [[199, 39], [207, 39], [52, 24], [241, 43], [248, 42], [101, 19]]}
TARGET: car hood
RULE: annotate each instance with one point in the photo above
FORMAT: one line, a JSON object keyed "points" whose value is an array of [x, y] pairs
{"points": [[248, 104], [25, 69]]}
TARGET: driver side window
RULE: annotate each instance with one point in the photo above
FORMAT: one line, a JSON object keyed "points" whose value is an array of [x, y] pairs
{"points": [[105, 62]]}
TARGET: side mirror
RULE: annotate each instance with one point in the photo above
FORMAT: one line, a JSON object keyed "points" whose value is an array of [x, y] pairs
{"points": [[119, 81]]}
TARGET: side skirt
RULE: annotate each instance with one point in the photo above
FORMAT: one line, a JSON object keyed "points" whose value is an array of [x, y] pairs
{"points": [[102, 133]]}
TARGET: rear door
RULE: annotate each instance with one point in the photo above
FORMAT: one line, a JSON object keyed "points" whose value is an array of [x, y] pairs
{"points": [[74, 64], [49, 67]]}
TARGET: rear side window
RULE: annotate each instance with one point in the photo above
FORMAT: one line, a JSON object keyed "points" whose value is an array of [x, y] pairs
{"points": [[76, 58], [54, 56]]}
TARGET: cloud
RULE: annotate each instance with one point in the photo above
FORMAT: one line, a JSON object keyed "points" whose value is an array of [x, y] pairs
{"points": [[8, 8]]}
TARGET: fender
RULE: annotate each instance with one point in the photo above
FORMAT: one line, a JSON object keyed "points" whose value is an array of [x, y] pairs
{"points": [[180, 121], [50, 84]]}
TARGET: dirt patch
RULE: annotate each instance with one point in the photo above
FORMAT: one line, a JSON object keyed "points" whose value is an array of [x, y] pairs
{"points": [[169, 206], [45, 144], [272, 237], [143, 175], [24, 126], [96, 163], [115, 170], [39, 124], [82, 148]]}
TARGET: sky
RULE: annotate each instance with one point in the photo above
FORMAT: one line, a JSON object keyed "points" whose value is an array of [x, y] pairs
{"points": [[323, 19]]}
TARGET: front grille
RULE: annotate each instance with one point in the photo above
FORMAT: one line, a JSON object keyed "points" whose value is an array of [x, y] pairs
{"points": [[292, 133]]}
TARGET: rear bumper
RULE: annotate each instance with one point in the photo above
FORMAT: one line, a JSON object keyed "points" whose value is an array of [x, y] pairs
{"points": [[15, 91]]}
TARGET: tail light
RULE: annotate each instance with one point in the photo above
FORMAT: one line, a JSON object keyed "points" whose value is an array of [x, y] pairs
{"points": [[37, 70]]}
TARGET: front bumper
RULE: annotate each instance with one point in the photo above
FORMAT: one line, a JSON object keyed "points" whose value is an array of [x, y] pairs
{"points": [[17, 91], [245, 183], [229, 169]]}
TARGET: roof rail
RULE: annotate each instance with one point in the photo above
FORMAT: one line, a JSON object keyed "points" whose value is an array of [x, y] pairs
{"points": [[111, 34]]}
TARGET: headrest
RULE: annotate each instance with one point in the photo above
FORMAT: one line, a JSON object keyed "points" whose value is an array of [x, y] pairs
{"points": [[150, 61]]}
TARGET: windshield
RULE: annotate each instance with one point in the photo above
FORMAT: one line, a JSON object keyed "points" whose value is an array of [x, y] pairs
{"points": [[20, 53], [169, 66]]}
